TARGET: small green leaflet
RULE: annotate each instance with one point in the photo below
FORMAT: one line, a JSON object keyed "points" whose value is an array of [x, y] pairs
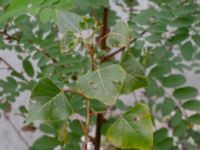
{"points": [[48, 103], [180, 129], [135, 77], [103, 84], [28, 68], [186, 10], [185, 93], [176, 118], [160, 135], [195, 119], [120, 36], [192, 105], [185, 21], [133, 129], [167, 106], [187, 51], [173, 80]]}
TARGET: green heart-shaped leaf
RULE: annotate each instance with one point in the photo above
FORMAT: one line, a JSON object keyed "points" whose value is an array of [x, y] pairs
{"points": [[68, 21], [133, 129], [103, 84], [48, 103]]}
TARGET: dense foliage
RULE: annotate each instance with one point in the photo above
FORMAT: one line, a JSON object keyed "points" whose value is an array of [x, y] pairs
{"points": [[79, 57]]}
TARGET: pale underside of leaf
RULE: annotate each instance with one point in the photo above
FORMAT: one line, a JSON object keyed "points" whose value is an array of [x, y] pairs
{"points": [[68, 21]]}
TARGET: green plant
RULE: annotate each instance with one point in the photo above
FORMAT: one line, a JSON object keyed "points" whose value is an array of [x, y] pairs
{"points": [[77, 80]]}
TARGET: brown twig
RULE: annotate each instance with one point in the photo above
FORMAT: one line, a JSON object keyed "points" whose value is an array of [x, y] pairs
{"points": [[98, 131], [8, 36], [87, 125], [91, 52], [104, 28], [102, 41]]}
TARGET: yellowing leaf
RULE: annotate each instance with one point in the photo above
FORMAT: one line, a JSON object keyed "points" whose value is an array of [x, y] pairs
{"points": [[133, 129]]}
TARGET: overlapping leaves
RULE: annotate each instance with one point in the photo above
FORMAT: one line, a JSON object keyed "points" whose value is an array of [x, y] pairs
{"points": [[135, 77], [48, 103]]}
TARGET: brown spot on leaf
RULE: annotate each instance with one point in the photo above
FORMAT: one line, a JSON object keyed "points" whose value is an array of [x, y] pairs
{"points": [[137, 118]]}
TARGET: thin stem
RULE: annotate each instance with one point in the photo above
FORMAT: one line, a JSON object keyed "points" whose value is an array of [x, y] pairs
{"points": [[92, 58], [98, 131], [87, 124], [11, 68]]}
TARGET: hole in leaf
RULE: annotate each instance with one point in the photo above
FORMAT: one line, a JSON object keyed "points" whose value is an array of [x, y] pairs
{"points": [[137, 118]]}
